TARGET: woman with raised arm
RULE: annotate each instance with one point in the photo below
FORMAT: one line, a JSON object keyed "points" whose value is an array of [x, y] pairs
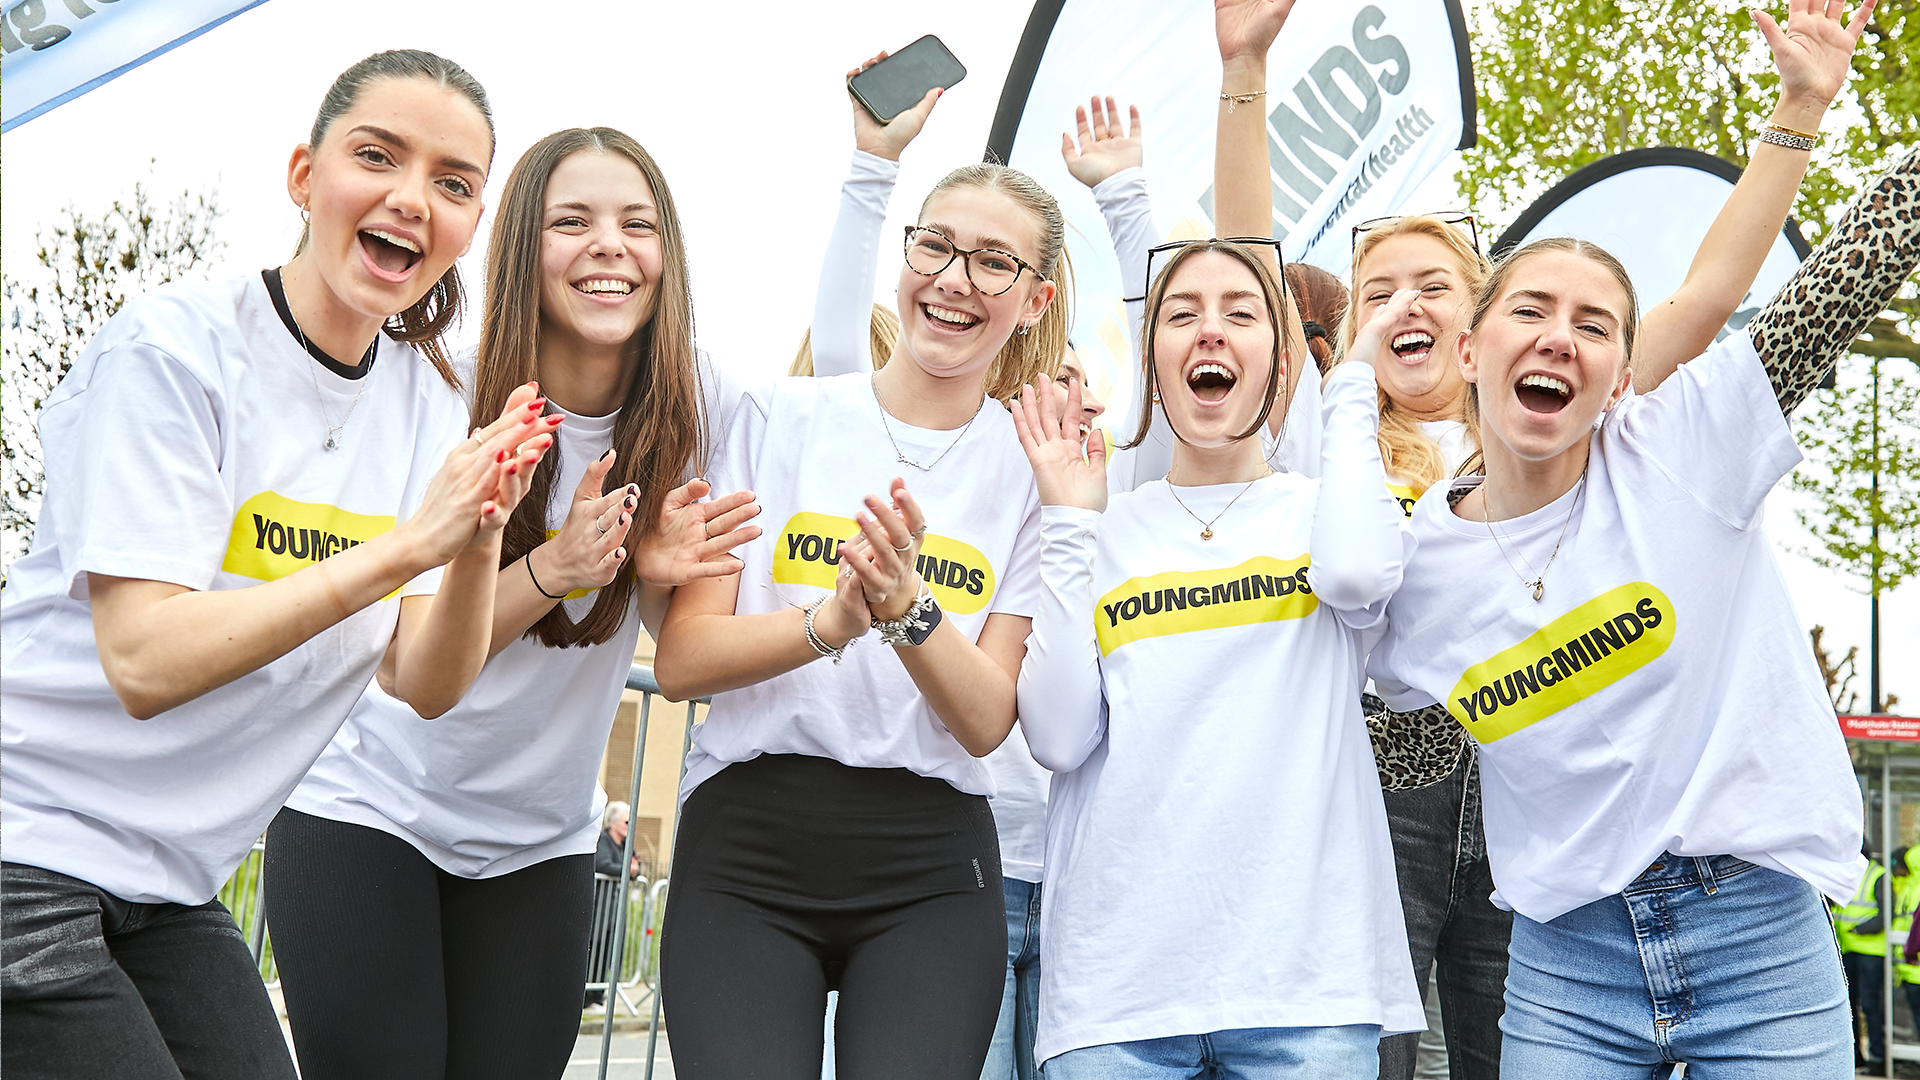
{"points": [[1665, 788], [1429, 775], [430, 886], [240, 476], [835, 831]]}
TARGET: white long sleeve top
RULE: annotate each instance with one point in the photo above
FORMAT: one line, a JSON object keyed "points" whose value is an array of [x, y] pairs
{"points": [[1187, 806]]}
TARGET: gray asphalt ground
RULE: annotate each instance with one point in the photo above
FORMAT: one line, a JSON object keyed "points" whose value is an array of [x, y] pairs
{"points": [[628, 1060]]}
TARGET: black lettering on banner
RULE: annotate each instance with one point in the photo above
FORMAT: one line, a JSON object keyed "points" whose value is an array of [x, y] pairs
{"points": [[1360, 116], [28, 17], [1316, 128]]}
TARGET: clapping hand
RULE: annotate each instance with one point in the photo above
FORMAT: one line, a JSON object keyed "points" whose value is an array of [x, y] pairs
{"points": [[1049, 430], [1104, 148], [476, 488], [588, 550], [889, 139], [696, 539], [884, 556]]}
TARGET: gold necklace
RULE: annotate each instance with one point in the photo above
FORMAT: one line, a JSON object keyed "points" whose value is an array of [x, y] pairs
{"points": [[1206, 527], [1539, 581]]}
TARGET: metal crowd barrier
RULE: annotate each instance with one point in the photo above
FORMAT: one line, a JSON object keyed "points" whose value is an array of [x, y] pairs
{"points": [[628, 969]]}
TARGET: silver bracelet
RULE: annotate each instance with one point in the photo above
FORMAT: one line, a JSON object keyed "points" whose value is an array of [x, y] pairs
{"points": [[814, 639], [1792, 140]]}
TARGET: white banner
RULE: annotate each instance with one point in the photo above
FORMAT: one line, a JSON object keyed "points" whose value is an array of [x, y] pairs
{"points": [[56, 50], [1364, 99], [1651, 208]]}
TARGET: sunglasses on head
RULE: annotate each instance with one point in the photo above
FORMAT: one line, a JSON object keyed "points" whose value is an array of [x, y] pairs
{"points": [[1450, 217], [1161, 250]]}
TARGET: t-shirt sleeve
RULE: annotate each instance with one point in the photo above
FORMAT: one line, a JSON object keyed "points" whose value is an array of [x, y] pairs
{"points": [[1715, 428], [133, 464], [1019, 591], [732, 467], [721, 392]]}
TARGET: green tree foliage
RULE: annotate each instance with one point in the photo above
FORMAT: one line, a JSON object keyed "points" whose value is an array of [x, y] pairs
{"points": [[1862, 442], [86, 268], [1564, 83]]}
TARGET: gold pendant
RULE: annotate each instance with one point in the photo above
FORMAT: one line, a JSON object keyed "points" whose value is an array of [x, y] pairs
{"points": [[1539, 589], [1206, 534]]}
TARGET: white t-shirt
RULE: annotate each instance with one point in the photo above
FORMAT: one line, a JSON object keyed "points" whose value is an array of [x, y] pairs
{"points": [[1660, 696], [1451, 437], [811, 450], [185, 447], [1217, 849], [509, 777]]}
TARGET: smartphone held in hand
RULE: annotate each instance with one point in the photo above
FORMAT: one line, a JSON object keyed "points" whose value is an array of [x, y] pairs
{"points": [[897, 83]]}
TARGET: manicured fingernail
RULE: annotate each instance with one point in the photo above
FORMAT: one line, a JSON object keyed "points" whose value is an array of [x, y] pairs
{"points": [[500, 457], [607, 455], [513, 469], [629, 502]]}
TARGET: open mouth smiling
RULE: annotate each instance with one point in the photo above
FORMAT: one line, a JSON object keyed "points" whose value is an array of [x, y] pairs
{"points": [[1211, 382], [604, 287], [1413, 347], [389, 252], [949, 319], [1542, 393]]}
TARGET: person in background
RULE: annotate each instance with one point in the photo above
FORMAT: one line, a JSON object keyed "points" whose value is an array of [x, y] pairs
{"points": [[1322, 300], [613, 838], [1861, 924]]}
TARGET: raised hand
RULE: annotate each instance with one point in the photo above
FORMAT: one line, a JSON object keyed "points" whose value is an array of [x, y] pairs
{"points": [[884, 564], [462, 501], [888, 140], [1370, 342], [1814, 53], [695, 539], [1245, 29], [1048, 423], [1104, 148], [588, 550]]}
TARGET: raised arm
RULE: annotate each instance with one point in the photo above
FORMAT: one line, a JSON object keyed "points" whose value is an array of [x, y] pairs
{"points": [[1842, 286], [843, 301], [1242, 176], [1358, 527], [1812, 55], [1062, 708]]}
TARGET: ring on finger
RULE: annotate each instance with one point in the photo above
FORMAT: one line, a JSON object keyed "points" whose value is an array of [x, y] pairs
{"points": [[597, 525], [905, 546]]}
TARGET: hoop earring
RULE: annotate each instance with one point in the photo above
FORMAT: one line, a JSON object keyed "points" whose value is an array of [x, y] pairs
{"points": [[306, 218]]}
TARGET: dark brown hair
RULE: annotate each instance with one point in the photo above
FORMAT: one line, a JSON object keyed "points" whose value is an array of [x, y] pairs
{"points": [[1277, 307], [660, 426], [423, 325], [1322, 299]]}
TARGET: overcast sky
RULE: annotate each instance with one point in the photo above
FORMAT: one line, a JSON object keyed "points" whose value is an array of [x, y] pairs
{"points": [[742, 104]]}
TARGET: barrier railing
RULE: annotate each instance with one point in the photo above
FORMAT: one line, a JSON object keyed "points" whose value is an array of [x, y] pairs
{"points": [[632, 961]]}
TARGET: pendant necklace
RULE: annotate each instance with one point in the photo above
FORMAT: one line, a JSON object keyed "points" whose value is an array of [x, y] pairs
{"points": [[897, 452], [1538, 583], [333, 429], [1206, 526]]}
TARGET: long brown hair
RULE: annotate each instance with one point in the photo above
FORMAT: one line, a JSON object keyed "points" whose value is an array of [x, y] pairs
{"points": [[660, 426], [1497, 280], [1038, 350], [1277, 308], [424, 325], [1322, 301], [1407, 451]]}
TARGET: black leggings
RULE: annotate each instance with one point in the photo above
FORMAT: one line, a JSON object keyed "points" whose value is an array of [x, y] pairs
{"points": [[797, 875], [393, 967]]}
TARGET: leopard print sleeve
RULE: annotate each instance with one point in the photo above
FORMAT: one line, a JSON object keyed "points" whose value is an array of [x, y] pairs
{"points": [[1842, 286], [1413, 749]]}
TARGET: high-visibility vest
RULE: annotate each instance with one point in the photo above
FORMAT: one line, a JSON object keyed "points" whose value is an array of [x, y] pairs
{"points": [[1864, 905], [1906, 891]]}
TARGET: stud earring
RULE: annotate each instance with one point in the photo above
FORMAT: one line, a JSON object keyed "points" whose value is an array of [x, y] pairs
{"points": [[1022, 330]]}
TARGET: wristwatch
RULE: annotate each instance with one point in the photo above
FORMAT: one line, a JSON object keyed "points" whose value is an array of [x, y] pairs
{"points": [[915, 626]]}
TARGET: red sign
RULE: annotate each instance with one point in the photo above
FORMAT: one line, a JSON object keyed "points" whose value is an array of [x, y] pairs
{"points": [[1881, 728]]}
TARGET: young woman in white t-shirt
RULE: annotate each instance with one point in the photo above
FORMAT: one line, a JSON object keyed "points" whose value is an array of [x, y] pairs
{"points": [[1429, 775], [230, 506], [430, 885], [1666, 794], [835, 831]]}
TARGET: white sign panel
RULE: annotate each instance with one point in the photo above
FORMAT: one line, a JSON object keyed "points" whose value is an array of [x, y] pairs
{"points": [[1651, 209], [56, 50], [1364, 100]]}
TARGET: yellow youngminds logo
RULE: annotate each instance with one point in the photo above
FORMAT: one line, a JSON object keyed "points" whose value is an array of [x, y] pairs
{"points": [[807, 552], [1405, 496], [274, 536], [1575, 656], [1262, 589]]}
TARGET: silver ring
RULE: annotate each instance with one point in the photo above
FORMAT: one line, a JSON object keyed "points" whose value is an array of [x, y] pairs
{"points": [[596, 525], [905, 546]]}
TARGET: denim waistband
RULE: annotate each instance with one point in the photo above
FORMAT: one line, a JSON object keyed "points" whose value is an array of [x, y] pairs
{"points": [[1672, 871]]}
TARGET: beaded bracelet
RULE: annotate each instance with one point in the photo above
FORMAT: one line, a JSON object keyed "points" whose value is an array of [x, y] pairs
{"points": [[1235, 100], [814, 639]]}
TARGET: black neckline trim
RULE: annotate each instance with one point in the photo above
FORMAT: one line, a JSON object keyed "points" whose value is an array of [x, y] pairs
{"points": [[278, 293]]}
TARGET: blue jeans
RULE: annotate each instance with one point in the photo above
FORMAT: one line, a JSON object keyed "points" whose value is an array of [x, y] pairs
{"points": [[1011, 1055], [1727, 966], [1322, 1053]]}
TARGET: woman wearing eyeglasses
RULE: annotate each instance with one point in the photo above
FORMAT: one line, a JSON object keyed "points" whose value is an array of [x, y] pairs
{"points": [[1430, 772], [835, 832]]}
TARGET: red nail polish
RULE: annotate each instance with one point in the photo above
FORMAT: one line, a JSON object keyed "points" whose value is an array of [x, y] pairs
{"points": [[500, 457], [555, 419], [513, 469]]}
